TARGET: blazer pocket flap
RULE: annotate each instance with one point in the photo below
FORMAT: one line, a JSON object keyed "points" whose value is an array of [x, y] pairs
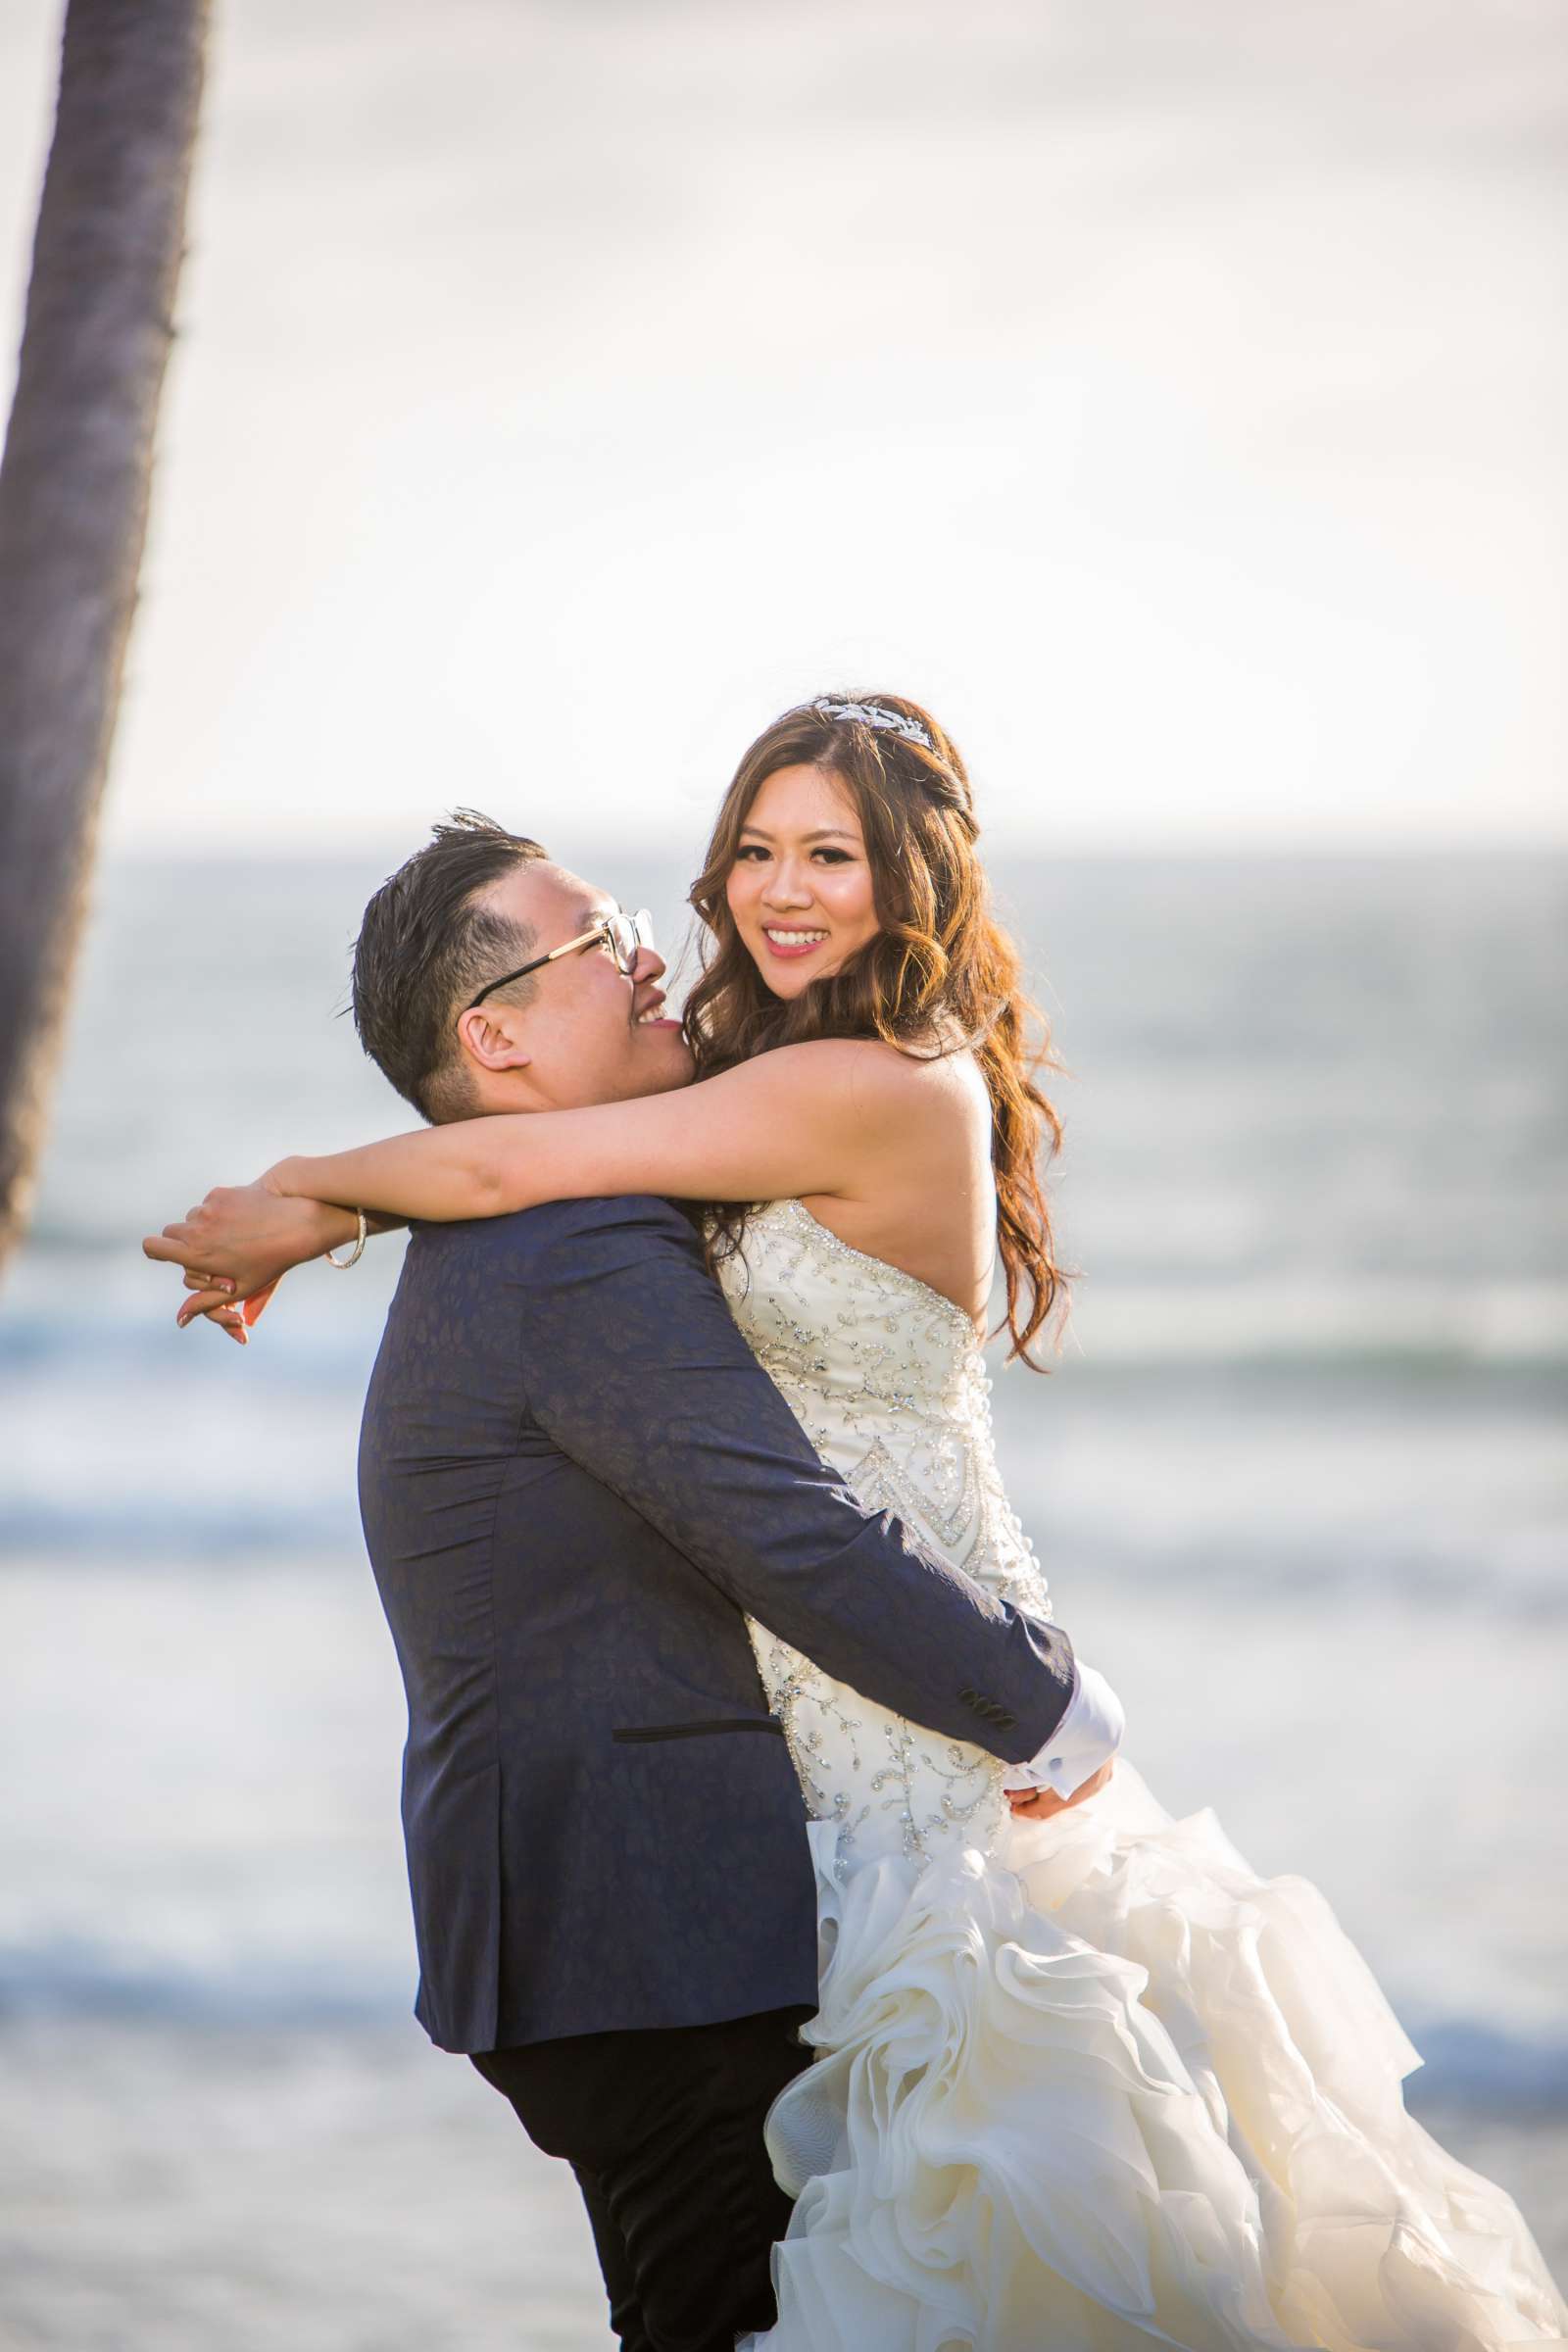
{"points": [[700, 1731]]}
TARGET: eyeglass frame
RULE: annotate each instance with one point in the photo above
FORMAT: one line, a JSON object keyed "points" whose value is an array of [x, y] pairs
{"points": [[642, 936]]}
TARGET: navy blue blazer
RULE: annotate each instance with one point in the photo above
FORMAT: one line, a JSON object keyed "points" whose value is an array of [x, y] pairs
{"points": [[575, 1478]]}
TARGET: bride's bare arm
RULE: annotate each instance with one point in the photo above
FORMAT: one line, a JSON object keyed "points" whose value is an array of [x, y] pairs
{"points": [[813, 1118]]}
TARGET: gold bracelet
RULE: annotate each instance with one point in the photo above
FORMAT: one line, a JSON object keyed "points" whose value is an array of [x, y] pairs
{"points": [[353, 1259]]}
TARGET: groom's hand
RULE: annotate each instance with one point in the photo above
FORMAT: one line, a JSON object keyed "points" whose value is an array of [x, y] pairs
{"points": [[1043, 1804]]}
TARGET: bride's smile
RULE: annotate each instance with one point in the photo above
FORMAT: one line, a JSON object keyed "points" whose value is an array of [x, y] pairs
{"points": [[800, 889]]}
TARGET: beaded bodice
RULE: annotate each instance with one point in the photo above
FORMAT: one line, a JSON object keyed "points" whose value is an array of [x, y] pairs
{"points": [[887, 1379]]}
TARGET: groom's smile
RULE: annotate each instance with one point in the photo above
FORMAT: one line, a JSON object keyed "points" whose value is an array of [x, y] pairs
{"points": [[582, 1029]]}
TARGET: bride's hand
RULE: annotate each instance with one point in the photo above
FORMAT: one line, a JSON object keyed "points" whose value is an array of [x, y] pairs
{"points": [[238, 1244], [218, 1306]]}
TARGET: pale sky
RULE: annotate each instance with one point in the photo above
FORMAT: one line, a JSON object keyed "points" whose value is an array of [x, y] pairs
{"points": [[1167, 391]]}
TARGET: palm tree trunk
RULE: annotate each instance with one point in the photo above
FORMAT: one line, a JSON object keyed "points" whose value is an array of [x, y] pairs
{"points": [[74, 483]]}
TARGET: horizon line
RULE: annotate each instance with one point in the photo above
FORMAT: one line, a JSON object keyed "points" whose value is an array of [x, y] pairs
{"points": [[343, 848]]}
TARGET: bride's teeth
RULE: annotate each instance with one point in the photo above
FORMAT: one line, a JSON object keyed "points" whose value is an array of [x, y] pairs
{"points": [[796, 939]]}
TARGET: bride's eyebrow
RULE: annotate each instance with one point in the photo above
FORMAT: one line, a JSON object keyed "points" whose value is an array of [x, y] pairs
{"points": [[822, 833]]}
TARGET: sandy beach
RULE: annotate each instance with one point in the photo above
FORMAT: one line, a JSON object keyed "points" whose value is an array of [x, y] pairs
{"points": [[345, 2191]]}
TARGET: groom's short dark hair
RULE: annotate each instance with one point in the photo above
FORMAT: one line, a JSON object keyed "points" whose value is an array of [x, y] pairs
{"points": [[426, 946]]}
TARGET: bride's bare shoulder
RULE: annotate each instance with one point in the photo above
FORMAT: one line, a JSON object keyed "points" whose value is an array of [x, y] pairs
{"points": [[864, 1078]]}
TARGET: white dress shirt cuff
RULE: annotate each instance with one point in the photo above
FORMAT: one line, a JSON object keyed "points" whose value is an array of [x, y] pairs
{"points": [[1088, 1735]]}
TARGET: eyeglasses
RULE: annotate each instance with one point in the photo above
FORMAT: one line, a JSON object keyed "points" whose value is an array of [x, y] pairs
{"points": [[625, 934]]}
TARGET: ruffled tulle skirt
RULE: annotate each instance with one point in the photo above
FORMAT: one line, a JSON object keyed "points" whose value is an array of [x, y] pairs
{"points": [[1107, 2088]]}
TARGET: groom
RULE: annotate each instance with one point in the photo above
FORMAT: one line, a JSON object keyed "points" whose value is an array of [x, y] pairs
{"points": [[575, 1482]]}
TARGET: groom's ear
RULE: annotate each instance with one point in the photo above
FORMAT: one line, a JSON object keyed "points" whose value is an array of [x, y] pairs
{"points": [[486, 1035]]}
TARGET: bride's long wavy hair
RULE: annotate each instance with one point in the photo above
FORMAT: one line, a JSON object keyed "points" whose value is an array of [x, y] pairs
{"points": [[940, 976]]}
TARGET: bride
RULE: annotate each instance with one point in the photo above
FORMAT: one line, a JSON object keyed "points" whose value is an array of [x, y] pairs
{"points": [[1083, 2081]]}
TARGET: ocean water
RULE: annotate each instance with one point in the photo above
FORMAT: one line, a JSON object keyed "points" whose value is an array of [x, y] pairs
{"points": [[1298, 1479]]}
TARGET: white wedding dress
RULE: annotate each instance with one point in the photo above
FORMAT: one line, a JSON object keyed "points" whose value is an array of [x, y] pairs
{"points": [[1079, 2085]]}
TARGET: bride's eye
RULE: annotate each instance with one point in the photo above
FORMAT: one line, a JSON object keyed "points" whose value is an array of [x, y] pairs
{"points": [[749, 852], [835, 856]]}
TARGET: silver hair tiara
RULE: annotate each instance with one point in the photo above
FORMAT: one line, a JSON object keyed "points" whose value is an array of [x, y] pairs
{"points": [[875, 715]]}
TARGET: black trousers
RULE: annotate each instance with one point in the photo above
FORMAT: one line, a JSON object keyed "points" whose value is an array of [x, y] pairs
{"points": [[663, 2130]]}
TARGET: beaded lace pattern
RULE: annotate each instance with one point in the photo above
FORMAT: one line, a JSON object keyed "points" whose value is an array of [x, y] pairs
{"points": [[887, 1379], [1105, 2086]]}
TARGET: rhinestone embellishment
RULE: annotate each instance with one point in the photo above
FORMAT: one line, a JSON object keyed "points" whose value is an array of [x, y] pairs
{"points": [[887, 1379]]}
